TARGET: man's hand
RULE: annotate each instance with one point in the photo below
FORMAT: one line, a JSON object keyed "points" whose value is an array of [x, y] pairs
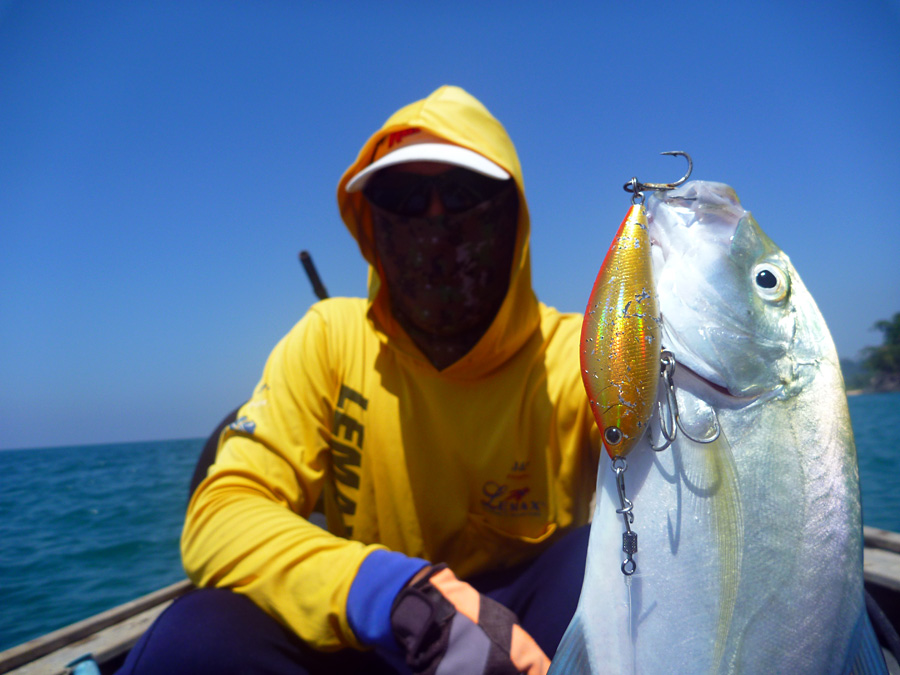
{"points": [[446, 626]]}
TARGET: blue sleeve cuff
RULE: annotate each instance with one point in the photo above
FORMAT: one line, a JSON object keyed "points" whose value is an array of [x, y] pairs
{"points": [[380, 578]]}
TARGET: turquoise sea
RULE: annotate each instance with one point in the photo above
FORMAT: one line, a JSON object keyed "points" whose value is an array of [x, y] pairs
{"points": [[83, 529]]}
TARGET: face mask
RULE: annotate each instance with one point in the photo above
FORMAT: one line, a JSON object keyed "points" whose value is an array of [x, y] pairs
{"points": [[448, 274]]}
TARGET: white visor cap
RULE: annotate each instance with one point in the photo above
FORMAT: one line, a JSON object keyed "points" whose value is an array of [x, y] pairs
{"points": [[430, 152]]}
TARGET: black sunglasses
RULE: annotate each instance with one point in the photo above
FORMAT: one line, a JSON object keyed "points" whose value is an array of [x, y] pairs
{"points": [[409, 194]]}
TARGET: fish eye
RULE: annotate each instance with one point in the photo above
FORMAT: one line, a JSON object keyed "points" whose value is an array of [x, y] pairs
{"points": [[770, 282]]}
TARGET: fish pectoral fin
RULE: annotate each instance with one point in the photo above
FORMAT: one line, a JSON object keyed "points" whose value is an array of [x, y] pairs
{"points": [[571, 655]]}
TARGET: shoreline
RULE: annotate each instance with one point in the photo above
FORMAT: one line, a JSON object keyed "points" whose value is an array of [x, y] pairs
{"points": [[858, 392]]}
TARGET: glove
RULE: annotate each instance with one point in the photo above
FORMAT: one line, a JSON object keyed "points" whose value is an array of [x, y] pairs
{"points": [[444, 625]]}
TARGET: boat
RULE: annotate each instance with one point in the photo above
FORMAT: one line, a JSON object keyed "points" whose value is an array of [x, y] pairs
{"points": [[107, 637], [101, 643]]}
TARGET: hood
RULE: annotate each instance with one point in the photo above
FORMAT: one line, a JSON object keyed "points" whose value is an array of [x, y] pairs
{"points": [[453, 115]]}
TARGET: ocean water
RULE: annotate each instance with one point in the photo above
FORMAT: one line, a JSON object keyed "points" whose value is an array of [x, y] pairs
{"points": [[876, 427], [84, 529]]}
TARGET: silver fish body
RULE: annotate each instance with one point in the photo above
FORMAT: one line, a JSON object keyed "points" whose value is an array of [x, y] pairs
{"points": [[750, 547]]}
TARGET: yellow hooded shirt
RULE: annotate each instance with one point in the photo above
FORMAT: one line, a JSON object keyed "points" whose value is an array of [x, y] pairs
{"points": [[481, 465]]}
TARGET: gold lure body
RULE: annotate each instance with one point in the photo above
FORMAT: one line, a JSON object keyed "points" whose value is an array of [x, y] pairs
{"points": [[620, 343]]}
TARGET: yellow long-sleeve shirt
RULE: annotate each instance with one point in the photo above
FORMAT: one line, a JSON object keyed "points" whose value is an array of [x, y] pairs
{"points": [[480, 465]]}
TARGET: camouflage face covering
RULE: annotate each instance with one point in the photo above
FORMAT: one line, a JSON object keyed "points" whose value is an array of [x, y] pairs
{"points": [[448, 274]]}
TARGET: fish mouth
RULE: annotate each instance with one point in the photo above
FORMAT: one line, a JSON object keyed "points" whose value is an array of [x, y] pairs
{"points": [[712, 209], [714, 393], [720, 389]]}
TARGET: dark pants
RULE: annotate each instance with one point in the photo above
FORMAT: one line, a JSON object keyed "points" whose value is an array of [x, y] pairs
{"points": [[216, 631]]}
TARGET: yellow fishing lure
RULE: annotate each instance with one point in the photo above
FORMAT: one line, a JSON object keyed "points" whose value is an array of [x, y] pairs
{"points": [[620, 343]]}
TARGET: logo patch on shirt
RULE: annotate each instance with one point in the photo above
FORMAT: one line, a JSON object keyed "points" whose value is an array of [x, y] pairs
{"points": [[513, 497], [519, 471], [244, 424]]}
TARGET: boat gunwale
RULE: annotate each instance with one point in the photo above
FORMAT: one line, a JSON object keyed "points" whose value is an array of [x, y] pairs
{"points": [[47, 644]]}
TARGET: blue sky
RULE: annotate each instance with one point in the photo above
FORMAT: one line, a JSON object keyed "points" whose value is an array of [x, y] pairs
{"points": [[162, 163]]}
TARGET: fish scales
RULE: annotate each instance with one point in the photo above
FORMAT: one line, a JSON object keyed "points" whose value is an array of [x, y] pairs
{"points": [[750, 555]]}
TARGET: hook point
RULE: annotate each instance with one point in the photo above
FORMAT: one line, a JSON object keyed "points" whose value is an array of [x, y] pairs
{"points": [[634, 186]]}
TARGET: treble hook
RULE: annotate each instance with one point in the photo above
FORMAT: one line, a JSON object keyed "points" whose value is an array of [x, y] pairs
{"points": [[637, 188], [629, 538], [667, 431], [670, 431]]}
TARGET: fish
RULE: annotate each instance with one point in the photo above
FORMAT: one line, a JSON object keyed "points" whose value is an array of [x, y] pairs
{"points": [[620, 349], [750, 556]]}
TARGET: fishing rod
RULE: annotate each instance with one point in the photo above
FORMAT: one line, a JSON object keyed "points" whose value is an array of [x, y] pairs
{"points": [[322, 294], [318, 286]]}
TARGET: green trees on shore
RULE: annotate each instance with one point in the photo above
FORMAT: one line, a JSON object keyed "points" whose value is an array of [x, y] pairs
{"points": [[879, 369]]}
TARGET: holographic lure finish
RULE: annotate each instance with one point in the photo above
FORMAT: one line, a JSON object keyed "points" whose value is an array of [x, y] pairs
{"points": [[620, 346]]}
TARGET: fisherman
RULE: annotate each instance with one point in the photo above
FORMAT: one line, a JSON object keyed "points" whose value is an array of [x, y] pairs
{"points": [[443, 422]]}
